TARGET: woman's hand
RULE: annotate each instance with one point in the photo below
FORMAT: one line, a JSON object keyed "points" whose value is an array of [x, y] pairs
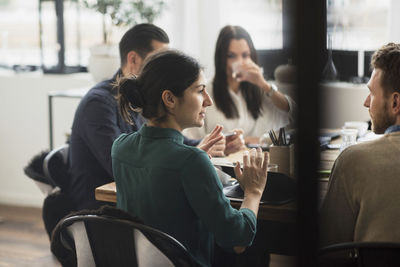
{"points": [[252, 73], [235, 142], [253, 178], [214, 143]]}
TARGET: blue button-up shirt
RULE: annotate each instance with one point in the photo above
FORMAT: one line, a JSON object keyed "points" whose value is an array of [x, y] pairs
{"points": [[393, 128]]}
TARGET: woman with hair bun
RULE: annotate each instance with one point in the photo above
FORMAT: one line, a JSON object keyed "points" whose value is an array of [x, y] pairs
{"points": [[171, 186]]}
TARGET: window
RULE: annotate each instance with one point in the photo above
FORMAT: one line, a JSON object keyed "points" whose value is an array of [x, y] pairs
{"points": [[19, 32], [261, 18], [20, 37], [358, 24]]}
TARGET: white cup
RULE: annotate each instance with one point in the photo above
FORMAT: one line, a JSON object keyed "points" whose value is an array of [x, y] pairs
{"points": [[361, 126], [272, 167], [349, 137], [236, 69]]}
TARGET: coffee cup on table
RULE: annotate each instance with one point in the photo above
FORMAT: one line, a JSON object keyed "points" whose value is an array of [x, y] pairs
{"points": [[349, 138], [272, 167], [361, 126]]}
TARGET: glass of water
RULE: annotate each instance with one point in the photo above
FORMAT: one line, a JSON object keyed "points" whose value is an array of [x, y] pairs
{"points": [[349, 137], [272, 167]]}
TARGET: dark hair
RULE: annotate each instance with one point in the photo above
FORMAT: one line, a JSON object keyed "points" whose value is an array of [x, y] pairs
{"points": [[387, 58], [139, 38], [251, 92], [169, 69]]}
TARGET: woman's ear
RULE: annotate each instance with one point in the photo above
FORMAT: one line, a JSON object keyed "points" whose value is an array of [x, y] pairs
{"points": [[169, 99]]}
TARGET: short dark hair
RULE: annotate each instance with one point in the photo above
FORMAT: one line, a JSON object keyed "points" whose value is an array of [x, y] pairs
{"points": [[169, 69], [139, 38], [387, 58], [251, 93]]}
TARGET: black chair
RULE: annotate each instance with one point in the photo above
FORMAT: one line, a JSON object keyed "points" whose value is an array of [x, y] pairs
{"points": [[49, 169], [56, 165], [34, 170], [360, 254], [58, 203], [103, 240]]}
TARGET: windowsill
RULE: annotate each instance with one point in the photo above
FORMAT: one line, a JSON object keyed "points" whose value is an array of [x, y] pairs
{"points": [[39, 74], [345, 85]]}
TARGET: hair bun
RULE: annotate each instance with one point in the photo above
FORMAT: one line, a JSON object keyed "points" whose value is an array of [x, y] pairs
{"points": [[131, 89]]}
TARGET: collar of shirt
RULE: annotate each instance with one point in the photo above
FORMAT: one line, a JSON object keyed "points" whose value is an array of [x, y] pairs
{"points": [[156, 132], [393, 128]]}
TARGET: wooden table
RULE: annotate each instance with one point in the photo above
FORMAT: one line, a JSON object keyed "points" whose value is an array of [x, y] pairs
{"points": [[107, 192], [281, 213]]}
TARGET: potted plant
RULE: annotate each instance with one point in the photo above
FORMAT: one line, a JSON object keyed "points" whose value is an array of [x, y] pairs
{"points": [[104, 59]]}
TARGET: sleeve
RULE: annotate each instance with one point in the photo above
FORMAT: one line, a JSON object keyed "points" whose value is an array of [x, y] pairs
{"points": [[273, 117], [337, 217], [203, 190], [99, 130], [292, 108]]}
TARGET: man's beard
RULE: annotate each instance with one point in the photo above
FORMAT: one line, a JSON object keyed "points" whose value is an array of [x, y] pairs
{"points": [[382, 120]]}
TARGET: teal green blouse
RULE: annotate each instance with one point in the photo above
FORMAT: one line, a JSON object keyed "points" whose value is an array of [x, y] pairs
{"points": [[174, 188]]}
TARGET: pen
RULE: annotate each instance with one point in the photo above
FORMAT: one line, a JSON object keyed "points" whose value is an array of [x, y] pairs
{"points": [[276, 139], [273, 138], [284, 137]]}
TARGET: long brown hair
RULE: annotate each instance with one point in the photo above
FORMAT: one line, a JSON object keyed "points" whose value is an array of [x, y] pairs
{"points": [[252, 94]]}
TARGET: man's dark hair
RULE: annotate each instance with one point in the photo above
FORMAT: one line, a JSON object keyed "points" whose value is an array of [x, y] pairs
{"points": [[139, 38], [387, 58]]}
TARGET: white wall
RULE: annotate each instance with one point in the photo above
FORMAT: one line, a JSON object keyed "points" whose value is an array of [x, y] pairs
{"points": [[24, 127], [394, 21], [193, 27], [343, 102]]}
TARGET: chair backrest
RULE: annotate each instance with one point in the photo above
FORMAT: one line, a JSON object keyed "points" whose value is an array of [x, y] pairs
{"points": [[358, 254], [99, 240], [34, 170], [56, 165]]}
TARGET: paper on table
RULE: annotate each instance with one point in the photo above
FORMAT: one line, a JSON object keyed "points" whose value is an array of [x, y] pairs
{"points": [[222, 162], [228, 161]]}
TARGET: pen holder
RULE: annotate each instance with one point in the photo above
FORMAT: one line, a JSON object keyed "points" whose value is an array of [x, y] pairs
{"points": [[284, 157]]}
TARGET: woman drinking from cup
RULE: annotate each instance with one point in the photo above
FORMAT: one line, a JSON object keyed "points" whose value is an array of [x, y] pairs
{"points": [[243, 98], [171, 186]]}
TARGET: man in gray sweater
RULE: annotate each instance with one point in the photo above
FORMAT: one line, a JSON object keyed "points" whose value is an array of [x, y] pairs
{"points": [[363, 199]]}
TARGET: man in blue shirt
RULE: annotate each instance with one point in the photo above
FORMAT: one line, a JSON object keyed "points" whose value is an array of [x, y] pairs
{"points": [[98, 123]]}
